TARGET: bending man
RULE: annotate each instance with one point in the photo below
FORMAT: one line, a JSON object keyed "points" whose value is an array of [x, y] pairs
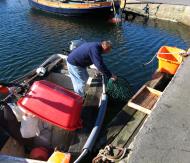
{"points": [[82, 57]]}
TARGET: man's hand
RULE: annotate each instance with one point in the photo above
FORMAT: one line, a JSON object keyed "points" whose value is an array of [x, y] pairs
{"points": [[114, 77], [185, 54]]}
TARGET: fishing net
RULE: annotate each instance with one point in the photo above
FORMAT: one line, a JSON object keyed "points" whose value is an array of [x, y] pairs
{"points": [[119, 89]]}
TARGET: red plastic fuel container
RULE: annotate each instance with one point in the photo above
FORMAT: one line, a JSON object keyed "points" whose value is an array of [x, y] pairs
{"points": [[53, 104]]}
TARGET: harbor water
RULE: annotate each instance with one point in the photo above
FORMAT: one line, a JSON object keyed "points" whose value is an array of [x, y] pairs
{"points": [[28, 37]]}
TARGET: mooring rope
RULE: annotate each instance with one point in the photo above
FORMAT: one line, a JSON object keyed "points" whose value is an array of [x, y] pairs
{"points": [[146, 63], [106, 154]]}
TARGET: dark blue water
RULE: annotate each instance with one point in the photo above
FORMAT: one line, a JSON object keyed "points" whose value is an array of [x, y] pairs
{"points": [[27, 37]]}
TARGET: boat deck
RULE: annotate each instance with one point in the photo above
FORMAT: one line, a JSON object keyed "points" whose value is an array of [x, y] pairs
{"points": [[71, 141], [68, 141], [123, 128]]}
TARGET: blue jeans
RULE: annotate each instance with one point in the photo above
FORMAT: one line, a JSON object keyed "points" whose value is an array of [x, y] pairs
{"points": [[79, 77]]}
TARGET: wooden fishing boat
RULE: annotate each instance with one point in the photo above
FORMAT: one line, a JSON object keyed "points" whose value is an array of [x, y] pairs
{"points": [[32, 92], [169, 60], [74, 7]]}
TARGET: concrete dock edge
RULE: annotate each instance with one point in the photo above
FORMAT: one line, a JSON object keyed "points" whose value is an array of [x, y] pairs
{"points": [[177, 13], [165, 135]]}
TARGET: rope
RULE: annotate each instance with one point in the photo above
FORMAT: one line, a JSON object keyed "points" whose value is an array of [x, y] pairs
{"points": [[106, 154], [114, 10], [119, 89], [146, 63]]}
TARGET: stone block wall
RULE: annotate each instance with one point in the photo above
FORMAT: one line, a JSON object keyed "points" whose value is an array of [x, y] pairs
{"points": [[177, 13]]}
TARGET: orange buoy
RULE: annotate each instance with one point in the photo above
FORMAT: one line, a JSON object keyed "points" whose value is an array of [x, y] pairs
{"points": [[39, 153], [116, 19], [4, 90]]}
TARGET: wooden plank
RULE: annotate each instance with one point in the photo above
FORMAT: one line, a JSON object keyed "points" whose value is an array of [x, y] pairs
{"points": [[159, 81], [77, 143], [156, 78], [152, 102], [138, 107], [145, 99], [61, 138], [138, 92], [126, 133], [154, 91], [149, 101], [116, 125], [13, 148], [81, 135], [89, 112]]}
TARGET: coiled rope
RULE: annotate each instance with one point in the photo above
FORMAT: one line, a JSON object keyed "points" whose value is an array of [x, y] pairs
{"points": [[106, 154]]}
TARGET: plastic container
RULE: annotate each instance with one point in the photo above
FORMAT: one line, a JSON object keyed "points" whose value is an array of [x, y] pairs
{"points": [[169, 59], [53, 104], [17, 112], [29, 127], [59, 157]]}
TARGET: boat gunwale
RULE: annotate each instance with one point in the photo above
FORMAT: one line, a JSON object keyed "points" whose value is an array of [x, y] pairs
{"points": [[61, 5]]}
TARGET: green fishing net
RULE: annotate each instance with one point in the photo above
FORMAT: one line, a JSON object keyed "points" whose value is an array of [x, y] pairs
{"points": [[119, 89]]}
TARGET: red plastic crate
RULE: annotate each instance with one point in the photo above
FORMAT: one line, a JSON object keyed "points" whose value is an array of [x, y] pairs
{"points": [[54, 104]]}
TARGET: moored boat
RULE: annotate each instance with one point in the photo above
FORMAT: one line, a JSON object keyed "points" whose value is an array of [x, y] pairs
{"points": [[74, 8], [67, 122]]}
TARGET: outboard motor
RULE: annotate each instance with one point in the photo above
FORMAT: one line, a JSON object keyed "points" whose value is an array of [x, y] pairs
{"points": [[76, 43]]}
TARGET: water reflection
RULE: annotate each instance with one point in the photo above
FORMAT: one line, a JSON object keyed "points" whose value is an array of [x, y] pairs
{"points": [[91, 30], [3, 1], [173, 28]]}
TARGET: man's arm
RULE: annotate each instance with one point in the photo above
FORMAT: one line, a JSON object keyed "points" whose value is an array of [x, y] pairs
{"points": [[97, 60]]}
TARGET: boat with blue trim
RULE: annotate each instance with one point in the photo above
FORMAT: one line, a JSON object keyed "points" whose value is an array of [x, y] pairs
{"points": [[74, 7]]}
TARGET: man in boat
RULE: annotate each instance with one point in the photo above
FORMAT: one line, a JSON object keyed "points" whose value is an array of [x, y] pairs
{"points": [[82, 57]]}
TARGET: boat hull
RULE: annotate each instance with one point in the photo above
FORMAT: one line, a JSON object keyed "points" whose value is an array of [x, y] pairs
{"points": [[99, 9]]}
